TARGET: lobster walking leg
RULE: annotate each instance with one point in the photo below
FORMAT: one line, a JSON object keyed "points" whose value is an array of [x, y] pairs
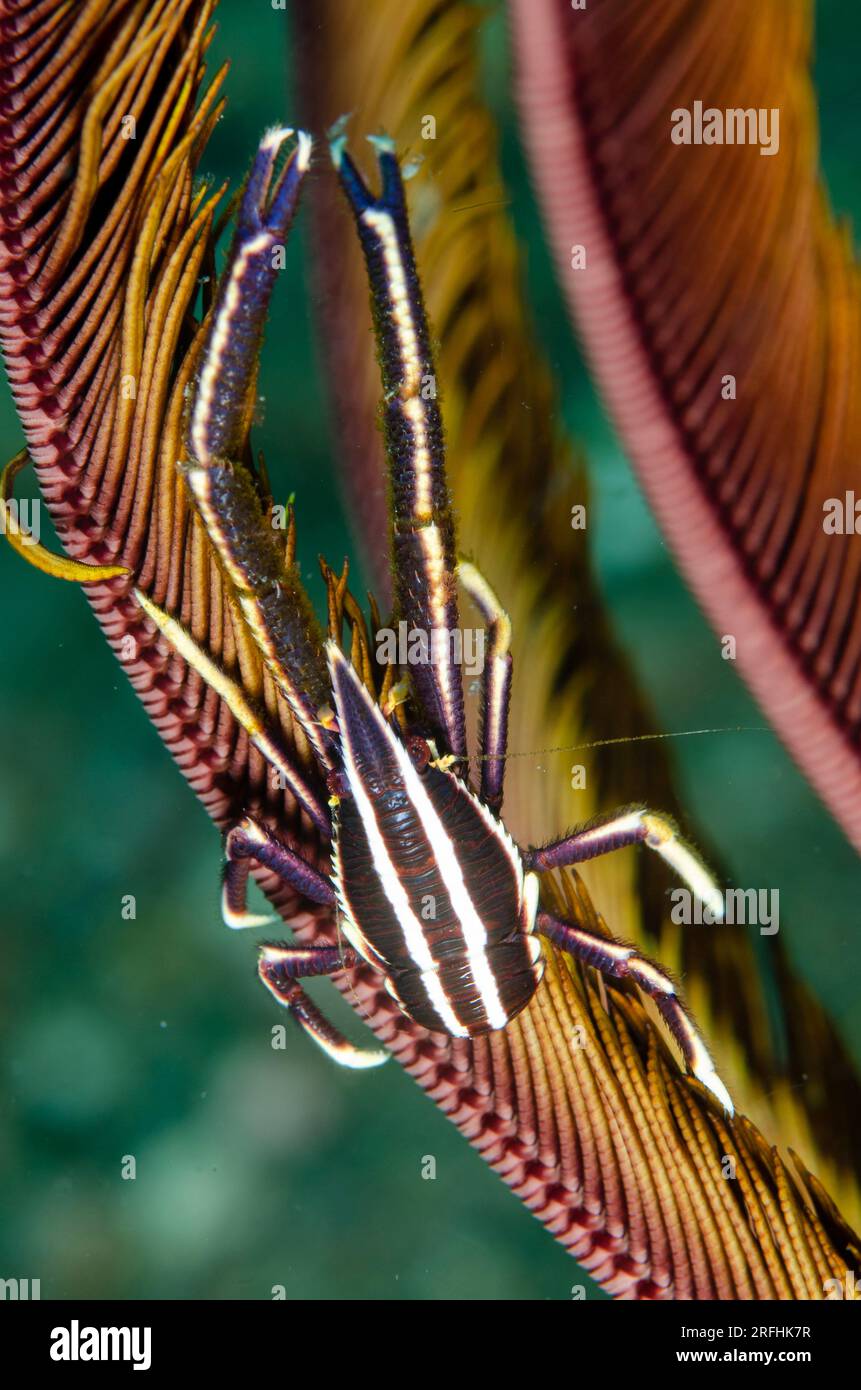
{"points": [[622, 961]]}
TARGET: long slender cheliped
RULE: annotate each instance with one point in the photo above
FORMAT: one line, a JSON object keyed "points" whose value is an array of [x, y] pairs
{"points": [[269, 592], [423, 544]]}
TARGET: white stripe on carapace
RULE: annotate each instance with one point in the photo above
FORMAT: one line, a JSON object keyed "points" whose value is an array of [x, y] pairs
{"points": [[445, 858], [414, 938], [531, 891], [347, 920], [356, 937], [502, 837]]}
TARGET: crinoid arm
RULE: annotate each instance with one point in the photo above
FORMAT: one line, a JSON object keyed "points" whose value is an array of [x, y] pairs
{"points": [[28, 546], [241, 707]]}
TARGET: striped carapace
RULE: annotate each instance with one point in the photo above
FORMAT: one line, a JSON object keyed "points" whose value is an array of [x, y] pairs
{"points": [[428, 886]]}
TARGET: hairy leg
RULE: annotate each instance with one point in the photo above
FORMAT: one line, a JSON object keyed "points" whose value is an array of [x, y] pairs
{"points": [[634, 825], [281, 967], [251, 840], [622, 961]]}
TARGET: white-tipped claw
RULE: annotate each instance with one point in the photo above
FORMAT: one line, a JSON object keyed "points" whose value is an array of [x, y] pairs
{"points": [[274, 137], [337, 138], [355, 1058], [304, 147], [241, 921], [383, 144], [685, 863]]}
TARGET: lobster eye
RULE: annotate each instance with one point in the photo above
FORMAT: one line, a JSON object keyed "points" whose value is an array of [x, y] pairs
{"points": [[419, 750]]}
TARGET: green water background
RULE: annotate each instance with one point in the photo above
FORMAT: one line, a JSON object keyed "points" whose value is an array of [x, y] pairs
{"points": [[150, 1037]]}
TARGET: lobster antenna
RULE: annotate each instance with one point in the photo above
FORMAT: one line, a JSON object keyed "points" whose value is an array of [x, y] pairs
{"points": [[629, 738]]}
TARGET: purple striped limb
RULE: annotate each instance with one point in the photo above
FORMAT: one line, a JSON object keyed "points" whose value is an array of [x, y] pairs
{"points": [[251, 840], [423, 558], [632, 826], [225, 492], [227, 378], [496, 684], [621, 961], [240, 707], [281, 967]]}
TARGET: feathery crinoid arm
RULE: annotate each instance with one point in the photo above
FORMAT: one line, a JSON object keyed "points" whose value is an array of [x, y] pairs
{"points": [[719, 303], [101, 337]]}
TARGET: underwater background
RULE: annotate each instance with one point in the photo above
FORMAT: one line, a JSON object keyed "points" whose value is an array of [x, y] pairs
{"points": [[150, 1037]]}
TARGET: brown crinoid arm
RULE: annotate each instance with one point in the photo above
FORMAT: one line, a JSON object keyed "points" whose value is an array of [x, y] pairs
{"points": [[719, 302], [579, 1107], [105, 235]]}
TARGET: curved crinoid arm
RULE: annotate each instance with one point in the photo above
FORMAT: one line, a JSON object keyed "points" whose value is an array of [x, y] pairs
{"points": [[422, 528], [595, 1138], [719, 302], [231, 693], [105, 236], [28, 545]]}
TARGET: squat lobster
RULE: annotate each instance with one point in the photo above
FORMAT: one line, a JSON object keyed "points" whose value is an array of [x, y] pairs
{"points": [[429, 886]]}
